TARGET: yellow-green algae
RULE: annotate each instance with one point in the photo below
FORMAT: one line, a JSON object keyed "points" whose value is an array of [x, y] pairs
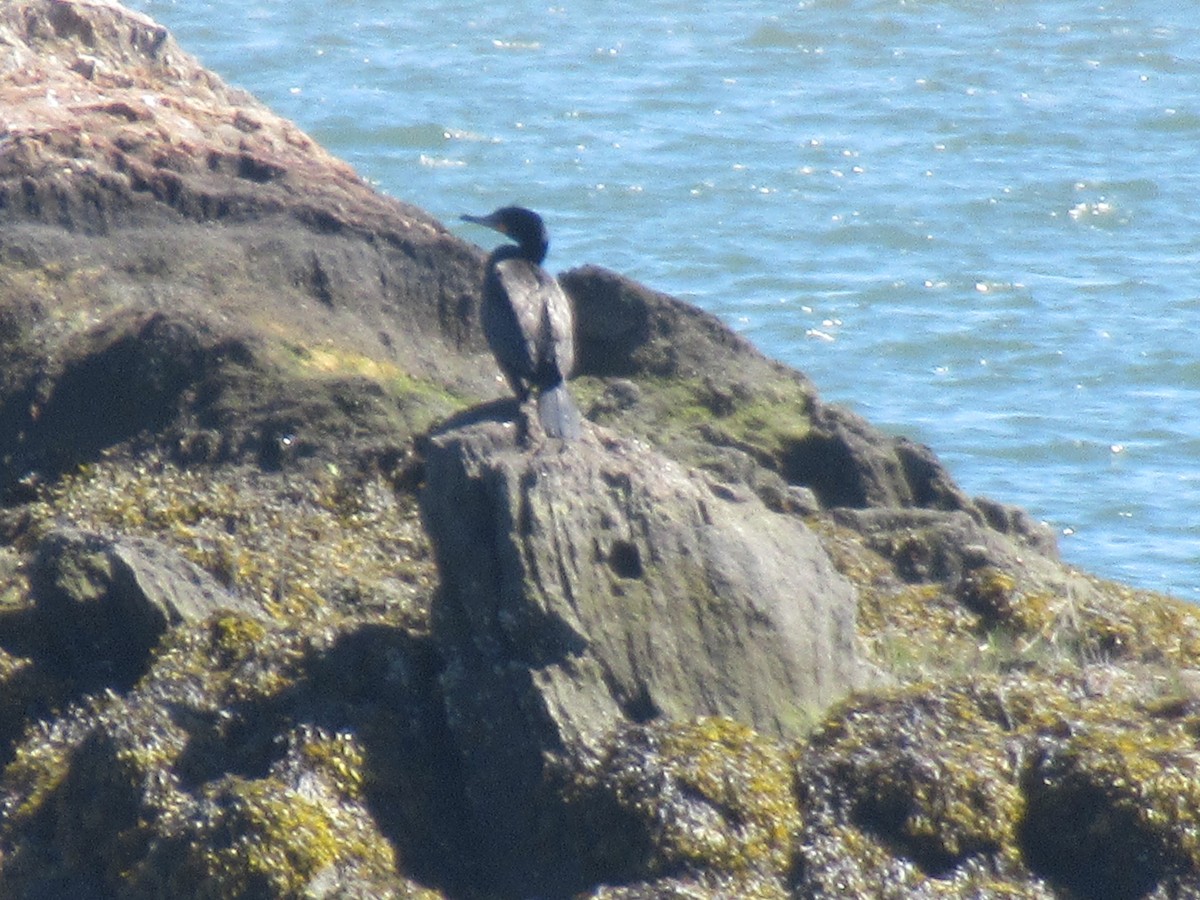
{"points": [[939, 794], [226, 663], [339, 757], [128, 792], [293, 542], [324, 553], [38, 767], [993, 618], [706, 795], [744, 775], [1114, 800], [261, 837], [232, 660], [1003, 780], [925, 771], [416, 404]]}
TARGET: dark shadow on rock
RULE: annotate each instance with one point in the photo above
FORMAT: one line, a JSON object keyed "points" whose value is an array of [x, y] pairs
{"points": [[122, 380], [416, 787], [1086, 837], [850, 464], [825, 463], [506, 410]]}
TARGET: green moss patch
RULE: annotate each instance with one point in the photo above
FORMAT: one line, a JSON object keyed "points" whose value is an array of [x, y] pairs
{"points": [[685, 415], [379, 392]]}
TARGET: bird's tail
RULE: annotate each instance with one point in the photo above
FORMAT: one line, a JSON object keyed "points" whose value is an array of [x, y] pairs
{"points": [[558, 413]]}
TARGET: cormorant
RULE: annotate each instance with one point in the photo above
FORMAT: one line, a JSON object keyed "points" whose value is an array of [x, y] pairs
{"points": [[527, 319]]}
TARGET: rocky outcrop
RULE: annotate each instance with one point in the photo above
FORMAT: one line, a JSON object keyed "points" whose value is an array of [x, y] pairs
{"points": [[112, 125], [596, 584], [761, 423], [290, 607], [182, 263], [189, 269]]}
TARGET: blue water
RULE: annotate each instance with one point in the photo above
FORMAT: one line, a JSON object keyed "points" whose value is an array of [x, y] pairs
{"points": [[973, 222]]}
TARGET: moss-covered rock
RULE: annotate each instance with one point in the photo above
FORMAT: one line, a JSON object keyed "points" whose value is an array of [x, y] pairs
{"points": [[603, 585]]}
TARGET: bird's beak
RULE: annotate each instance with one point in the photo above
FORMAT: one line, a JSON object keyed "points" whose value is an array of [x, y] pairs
{"points": [[488, 221]]}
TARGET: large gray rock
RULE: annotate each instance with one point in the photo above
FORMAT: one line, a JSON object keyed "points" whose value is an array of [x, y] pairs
{"points": [[590, 584]]}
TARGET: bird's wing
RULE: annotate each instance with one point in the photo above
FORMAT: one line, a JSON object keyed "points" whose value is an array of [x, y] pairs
{"points": [[526, 293], [529, 322], [558, 330], [512, 312]]}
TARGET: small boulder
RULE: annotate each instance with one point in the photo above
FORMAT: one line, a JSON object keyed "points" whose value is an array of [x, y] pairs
{"points": [[102, 604]]}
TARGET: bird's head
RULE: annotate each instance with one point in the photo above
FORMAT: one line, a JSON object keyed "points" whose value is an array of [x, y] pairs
{"points": [[522, 225]]}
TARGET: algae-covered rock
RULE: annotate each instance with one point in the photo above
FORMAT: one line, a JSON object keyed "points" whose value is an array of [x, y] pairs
{"points": [[242, 765], [1114, 809], [707, 797], [712, 396], [930, 776], [1022, 785]]}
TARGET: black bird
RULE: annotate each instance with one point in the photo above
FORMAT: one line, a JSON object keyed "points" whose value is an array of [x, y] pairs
{"points": [[527, 319]]}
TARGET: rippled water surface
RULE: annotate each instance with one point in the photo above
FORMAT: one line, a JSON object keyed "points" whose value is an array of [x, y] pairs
{"points": [[975, 223]]}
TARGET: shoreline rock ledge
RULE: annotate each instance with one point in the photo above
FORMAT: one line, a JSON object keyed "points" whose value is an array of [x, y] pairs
{"points": [[289, 608], [592, 585]]}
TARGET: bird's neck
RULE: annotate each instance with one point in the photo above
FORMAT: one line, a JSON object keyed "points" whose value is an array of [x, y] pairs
{"points": [[535, 250], [529, 251]]}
